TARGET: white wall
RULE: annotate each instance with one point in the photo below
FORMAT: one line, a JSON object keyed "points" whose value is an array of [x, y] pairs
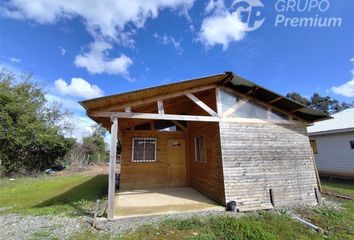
{"points": [[335, 157]]}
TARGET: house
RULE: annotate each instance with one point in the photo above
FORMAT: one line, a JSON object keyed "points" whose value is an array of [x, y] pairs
{"points": [[224, 136], [333, 144]]}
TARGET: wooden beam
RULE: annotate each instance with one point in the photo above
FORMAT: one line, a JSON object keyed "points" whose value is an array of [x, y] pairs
{"points": [[252, 91], [218, 101], [201, 104], [154, 116], [234, 108], [112, 169], [274, 100], [179, 125], [160, 107], [227, 79], [160, 97], [298, 109]]}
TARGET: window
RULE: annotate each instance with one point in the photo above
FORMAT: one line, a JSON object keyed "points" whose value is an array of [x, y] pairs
{"points": [[144, 150], [314, 146], [200, 150], [351, 144], [235, 106]]}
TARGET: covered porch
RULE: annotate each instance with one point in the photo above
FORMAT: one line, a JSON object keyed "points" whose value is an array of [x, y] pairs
{"points": [[170, 148], [132, 203]]}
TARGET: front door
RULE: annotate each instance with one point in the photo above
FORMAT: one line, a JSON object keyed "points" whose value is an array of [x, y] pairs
{"points": [[176, 162]]}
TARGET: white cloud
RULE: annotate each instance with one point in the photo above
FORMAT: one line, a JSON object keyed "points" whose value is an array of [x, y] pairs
{"points": [[97, 60], [66, 103], [109, 21], [78, 88], [81, 125], [15, 60], [169, 40], [62, 51], [346, 89], [220, 26], [108, 18]]}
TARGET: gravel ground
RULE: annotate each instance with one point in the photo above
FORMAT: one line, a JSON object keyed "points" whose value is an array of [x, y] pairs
{"points": [[55, 227], [38, 227]]}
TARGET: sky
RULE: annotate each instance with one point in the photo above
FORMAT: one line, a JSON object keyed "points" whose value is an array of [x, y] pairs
{"points": [[84, 49]]}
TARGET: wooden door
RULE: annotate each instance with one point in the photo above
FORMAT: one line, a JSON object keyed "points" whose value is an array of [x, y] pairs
{"points": [[176, 162]]}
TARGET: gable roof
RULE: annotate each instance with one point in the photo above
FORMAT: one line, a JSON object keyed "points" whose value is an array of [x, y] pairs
{"points": [[340, 122], [228, 79]]}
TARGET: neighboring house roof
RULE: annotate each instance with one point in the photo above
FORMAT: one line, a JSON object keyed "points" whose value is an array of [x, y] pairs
{"points": [[340, 122], [228, 79]]}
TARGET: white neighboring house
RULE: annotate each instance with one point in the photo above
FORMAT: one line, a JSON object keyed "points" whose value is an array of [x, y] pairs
{"points": [[332, 142]]}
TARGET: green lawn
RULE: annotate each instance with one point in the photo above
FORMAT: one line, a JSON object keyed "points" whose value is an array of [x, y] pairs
{"points": [[69, 195], [338, 186]]}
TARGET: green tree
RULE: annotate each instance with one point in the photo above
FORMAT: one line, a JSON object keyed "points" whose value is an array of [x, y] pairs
{"points": [[30, 137], [324, 104], [298, 98]]}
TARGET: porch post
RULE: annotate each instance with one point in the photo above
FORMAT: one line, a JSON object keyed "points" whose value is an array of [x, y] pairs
{"points": [[112, 169]]}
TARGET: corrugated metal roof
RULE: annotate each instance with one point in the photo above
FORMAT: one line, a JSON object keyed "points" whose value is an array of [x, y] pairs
{"points": [[340, 122], [228, 79]]}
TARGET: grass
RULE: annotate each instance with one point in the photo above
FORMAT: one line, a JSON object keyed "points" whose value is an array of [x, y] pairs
{"points": [[338, 186], [69, 195]]}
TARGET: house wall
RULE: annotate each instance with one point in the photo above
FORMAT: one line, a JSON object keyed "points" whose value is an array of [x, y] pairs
{"points": [[146, 175], [258, 157], [207, 177], [335, 156]]}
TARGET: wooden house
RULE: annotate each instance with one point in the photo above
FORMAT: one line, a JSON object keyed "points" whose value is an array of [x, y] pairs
{"points": [[226, 137]]}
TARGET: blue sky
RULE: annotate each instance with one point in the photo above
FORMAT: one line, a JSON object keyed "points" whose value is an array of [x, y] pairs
{"points": [[82, 51]]}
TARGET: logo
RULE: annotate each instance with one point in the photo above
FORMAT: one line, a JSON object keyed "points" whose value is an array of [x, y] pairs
{"points": [[250, 12]]}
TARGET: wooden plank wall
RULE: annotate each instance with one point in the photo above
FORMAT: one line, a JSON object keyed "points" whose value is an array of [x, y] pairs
{"points": [[207, 177], [145, 175], [259, 157]]}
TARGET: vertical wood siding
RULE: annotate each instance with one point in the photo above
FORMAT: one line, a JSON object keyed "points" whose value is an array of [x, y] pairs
{"points": [[259, 157]]}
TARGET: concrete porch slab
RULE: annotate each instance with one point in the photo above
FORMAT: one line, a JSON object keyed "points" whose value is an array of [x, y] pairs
{"points": [[161, 201]]}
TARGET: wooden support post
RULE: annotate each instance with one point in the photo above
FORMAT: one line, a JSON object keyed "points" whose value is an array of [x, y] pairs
{"points": [[160, 107], [112, 169], [218, 102]]}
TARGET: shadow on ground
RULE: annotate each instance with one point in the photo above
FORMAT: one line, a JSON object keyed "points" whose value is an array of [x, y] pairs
{"points": [[80, 196]]}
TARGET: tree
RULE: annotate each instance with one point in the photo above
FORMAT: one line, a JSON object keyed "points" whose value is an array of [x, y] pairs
{"points": [[30, 137], [92, 148], [324, 104], [298, 98]]}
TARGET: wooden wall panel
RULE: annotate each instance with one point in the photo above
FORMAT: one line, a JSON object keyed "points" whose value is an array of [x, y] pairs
{"points": [[207, 177], [259, 157], [145, 175]]}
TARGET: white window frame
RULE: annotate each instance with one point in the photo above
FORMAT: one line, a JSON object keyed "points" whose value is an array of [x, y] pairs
{"points": [[196, 149], [144, 160]]}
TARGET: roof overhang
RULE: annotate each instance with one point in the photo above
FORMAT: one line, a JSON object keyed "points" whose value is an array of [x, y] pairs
{"points": [[227, 79], [335, 131]]}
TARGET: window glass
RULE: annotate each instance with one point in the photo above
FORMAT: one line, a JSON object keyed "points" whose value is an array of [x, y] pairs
{"points": [[278, 115], [144, 150], [200, 154]]}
